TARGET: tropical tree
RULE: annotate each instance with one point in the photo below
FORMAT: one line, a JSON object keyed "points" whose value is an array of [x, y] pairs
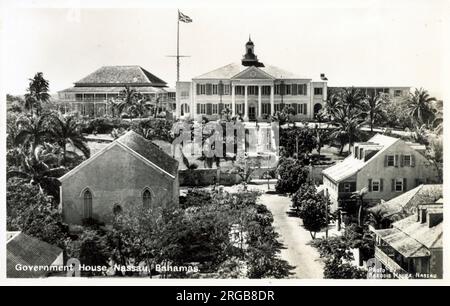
{"points": [[314, 213], [67, 130], [37, 93], [40, 169], [321, 137], [348, 127], [374, 107], [420, 106], [32, 131], [127, 98]]}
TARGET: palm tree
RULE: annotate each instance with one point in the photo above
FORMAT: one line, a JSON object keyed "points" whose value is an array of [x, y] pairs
{"points": [[322, 137], [127, 98], [420, 106], [139, 108], [37, 93], [348, 127], [32, 131], [38, 170], [374, 105], [67, 131]]}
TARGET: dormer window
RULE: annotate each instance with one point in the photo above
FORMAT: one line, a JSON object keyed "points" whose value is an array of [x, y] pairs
{"points": [[356, 152], [361, 153]]}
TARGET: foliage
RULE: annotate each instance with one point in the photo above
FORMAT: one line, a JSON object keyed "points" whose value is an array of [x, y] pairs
{"points": [[37, 93], [33, 213], [92, 249], [420, 106], [305, 193], [301, 139], [315, 213], [292, 174], [335, 269], [374, 107], [67, 130]]}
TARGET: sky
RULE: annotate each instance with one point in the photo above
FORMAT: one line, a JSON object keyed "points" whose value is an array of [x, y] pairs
{"points": [[360, 43]]}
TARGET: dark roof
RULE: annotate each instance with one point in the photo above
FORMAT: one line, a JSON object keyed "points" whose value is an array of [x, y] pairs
{"points": [[29, 251], [123, 75], [149, 151], [405, 204], [112, 89]]}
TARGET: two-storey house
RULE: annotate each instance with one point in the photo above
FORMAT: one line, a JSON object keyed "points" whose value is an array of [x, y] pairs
{"points": [[385, 165]]}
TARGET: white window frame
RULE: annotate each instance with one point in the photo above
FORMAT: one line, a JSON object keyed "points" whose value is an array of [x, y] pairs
{"points": [[398, 181], [404, 161], [376, 183], [393, 160]]}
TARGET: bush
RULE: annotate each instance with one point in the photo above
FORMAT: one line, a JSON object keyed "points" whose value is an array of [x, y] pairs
{"points": [[34, 213], [336, 269], [292, 174]]}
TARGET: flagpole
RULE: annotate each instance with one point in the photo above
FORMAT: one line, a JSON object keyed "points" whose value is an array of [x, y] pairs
{"points": [[178, 46]]}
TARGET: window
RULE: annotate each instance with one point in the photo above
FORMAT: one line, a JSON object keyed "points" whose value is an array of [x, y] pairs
{"points": [[239, 90], [398, 185], [226, 89], [87, 197], [407, 160], [397, 93], [390, 160], [347, 187], [201, 89], [146, 198], [215, 90], [117, 209], [252, 90], [318, 91], [215, 109], [361, 153], [302, 89], [287, 89], [265, 90], [376, 185], [356, 152], [266, 108], [185, 94]]}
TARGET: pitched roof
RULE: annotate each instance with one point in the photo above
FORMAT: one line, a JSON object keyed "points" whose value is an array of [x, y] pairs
{"points": [[130, 75], [230, 70], [149, 151], [111, 89], [404, 204], [412, 238], [28, 251], [351, 165]]}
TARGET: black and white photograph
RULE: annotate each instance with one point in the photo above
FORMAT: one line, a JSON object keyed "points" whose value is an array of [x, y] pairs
{"points": [[277, 142]]}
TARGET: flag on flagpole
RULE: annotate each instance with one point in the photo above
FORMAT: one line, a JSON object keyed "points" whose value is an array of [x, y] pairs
{"points": [[184, 18]]}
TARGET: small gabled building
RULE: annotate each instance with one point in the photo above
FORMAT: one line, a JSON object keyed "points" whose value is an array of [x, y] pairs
{"points": [[406, 204], [29, 257], [131, 171], [413, 247], [385, 165]]}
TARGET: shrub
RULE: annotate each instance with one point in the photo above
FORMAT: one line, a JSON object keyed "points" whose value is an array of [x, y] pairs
{"points": [[292, 174]]}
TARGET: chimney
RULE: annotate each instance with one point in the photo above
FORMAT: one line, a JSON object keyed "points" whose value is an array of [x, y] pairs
{"points": [[323, 77], [435, 218]]}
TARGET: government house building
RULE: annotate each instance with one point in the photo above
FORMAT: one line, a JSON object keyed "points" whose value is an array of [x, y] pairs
{"points": [[91, 96], [250, 89]]}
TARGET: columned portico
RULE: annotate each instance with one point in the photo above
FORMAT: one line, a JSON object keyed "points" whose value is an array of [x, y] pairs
{"points": [[259, 101], [272, 99], [233, 100], [246, 102]]}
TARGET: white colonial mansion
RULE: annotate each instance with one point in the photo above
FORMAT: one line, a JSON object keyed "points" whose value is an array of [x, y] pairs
{"points": [[255, 91], [250, 89]]}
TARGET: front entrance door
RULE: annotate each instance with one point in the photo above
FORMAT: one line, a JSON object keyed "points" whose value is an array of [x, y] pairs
{"points": [[252, 113]]}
